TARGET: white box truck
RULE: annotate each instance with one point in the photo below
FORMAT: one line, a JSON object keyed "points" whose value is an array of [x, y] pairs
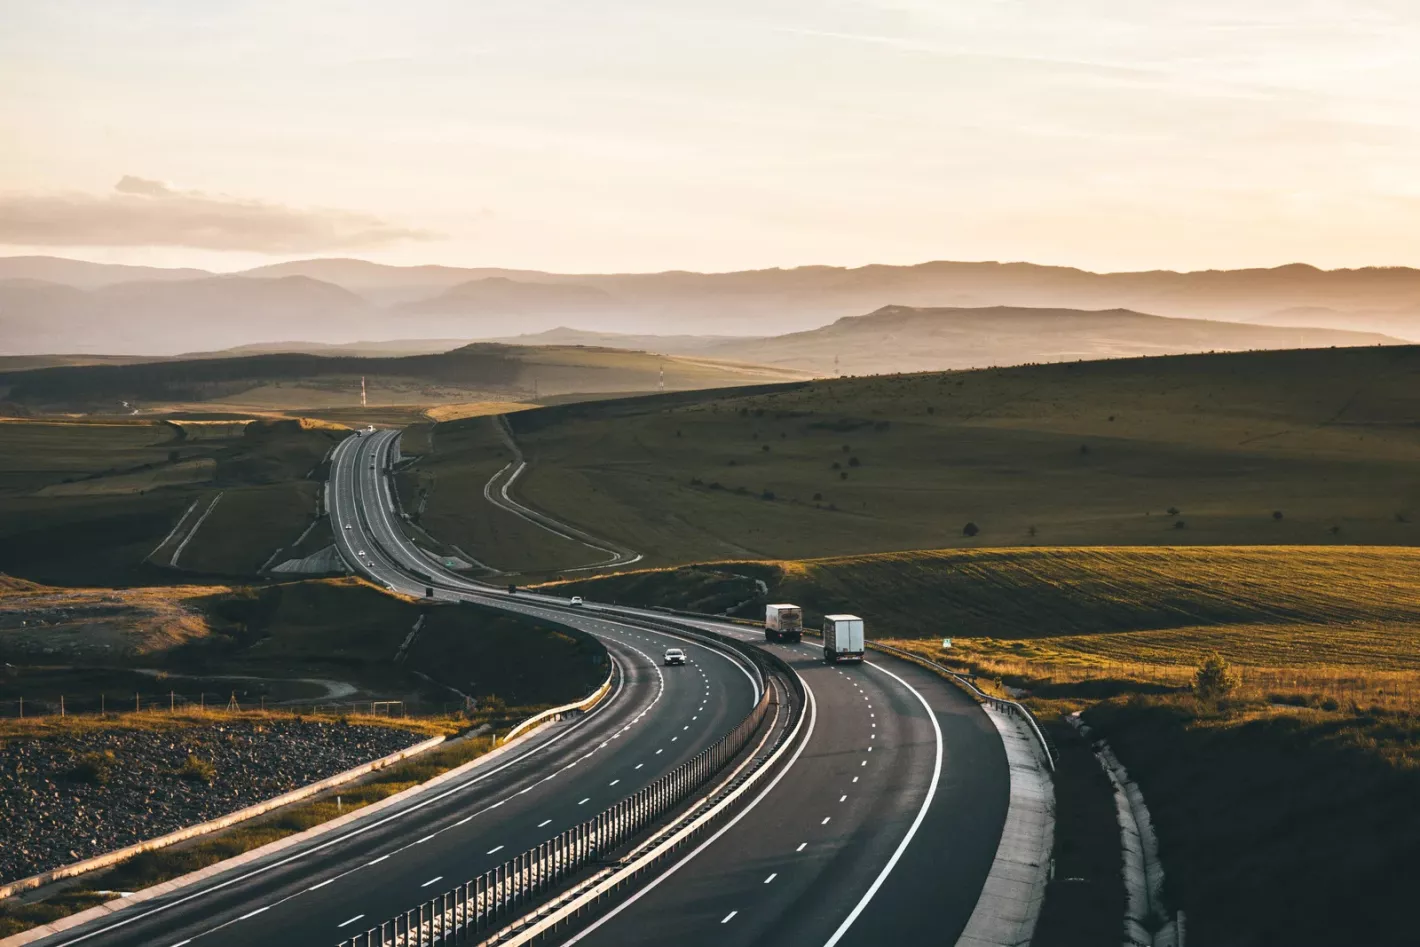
{"points": [[842, 638], [783, 622]]}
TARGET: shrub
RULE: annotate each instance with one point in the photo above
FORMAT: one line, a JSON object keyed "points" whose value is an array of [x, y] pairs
{"points": [[764, 447], [1276, 514], [767, 495], [970, 529], [197, 770], [1214, 678], [843, 475], [854, 462], [835, 465], [818, 497], [1172, 511], [96, 769], [846, 448], [1178, 524]]}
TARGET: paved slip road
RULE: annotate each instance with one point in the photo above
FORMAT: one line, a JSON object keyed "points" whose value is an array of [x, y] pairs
{"points": [[884, 826]]}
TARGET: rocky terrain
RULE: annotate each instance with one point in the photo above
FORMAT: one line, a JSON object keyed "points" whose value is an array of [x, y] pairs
{"points": [[66, 798]]}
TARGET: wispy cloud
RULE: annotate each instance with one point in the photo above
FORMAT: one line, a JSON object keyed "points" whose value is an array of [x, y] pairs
{"points": [[141, 212]]}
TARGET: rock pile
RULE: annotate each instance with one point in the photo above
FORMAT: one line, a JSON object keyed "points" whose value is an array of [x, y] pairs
{"points": [[71, 797]]}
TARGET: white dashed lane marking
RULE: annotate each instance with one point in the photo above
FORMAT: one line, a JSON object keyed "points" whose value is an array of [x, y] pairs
{"points": [[432, 880], [726, 918], [544, 823], [499, 848], [342, 923]]}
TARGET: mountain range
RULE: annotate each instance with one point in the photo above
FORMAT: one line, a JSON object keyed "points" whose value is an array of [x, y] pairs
{"points": [[50, 305]]}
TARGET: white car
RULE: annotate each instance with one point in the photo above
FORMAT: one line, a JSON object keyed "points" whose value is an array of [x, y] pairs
{"points": [[576, 600], [361, 554], [347, 525], [674, 656]]}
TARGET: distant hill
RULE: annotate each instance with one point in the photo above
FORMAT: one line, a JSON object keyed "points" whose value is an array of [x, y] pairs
{"points": [[905, 339], [85, 275], [136, 310], [664, 344], [493, 305], [473, 373], [167, 317]]}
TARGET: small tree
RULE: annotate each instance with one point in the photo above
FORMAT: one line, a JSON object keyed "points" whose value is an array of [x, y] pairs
{"points": [[1215, 678], [1276, 514], [970, 530]]}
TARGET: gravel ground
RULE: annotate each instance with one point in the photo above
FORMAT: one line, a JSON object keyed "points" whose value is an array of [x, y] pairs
{"points": [[62, 799]]}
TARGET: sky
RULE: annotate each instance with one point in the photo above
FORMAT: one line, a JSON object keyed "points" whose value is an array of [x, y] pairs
{"points": [[639, 135]]}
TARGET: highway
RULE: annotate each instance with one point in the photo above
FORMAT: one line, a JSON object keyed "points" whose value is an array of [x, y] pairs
{"points": [[323, 891], [883, 825]]}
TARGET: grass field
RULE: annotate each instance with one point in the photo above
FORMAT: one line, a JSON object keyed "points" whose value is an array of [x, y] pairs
{"points": [[84, 642], [449, 481], [1312, 623], [1274, 448], [85, 502]]}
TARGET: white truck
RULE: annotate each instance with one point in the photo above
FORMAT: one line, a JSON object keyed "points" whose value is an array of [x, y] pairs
{"points": [[842, 638], [783, 622]]}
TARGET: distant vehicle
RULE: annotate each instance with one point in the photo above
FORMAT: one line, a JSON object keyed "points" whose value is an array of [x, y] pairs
{"points": [[576, 600], [347, 525], [512, 589], [428, 591], [361, 554], [674, 656], [842, 638], [783, 623]]}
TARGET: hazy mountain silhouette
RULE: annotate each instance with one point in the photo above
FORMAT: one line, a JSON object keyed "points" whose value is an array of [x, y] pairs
{"points": [[905, 339], [139, 310]]}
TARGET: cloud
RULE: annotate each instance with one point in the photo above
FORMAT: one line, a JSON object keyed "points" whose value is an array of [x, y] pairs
{"points": [[145, 213]]}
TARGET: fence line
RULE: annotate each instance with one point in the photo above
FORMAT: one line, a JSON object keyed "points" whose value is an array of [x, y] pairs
{"points": [[171, 702]]}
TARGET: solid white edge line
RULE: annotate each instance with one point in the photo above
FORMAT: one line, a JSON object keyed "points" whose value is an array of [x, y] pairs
{"points": [[813, 717], [916, 823]]}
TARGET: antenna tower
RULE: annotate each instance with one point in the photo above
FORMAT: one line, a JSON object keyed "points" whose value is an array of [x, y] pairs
{"points": [[362, 391]]}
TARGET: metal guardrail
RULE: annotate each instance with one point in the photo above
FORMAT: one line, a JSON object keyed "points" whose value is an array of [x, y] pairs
{"points": [[487, 903], [999, 703]]}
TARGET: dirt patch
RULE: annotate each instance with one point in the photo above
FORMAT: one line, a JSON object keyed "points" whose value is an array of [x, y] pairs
{"points": [[41, 620]]}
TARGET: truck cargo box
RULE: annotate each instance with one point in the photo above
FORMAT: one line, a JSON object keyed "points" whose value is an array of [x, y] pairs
{"points": [[783, 622], [842, 638]]}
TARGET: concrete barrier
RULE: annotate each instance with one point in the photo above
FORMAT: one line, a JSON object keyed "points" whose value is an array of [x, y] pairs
{"points": [[582, 706]]}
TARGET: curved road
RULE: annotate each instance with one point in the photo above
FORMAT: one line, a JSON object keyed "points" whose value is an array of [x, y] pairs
{"points": [[884, 826], [323, 891]]}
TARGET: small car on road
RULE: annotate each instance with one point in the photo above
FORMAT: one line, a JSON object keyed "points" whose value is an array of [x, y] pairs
{"points": [[674, 656], [576, 600]]}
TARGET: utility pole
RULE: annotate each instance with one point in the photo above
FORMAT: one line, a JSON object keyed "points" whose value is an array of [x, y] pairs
{"points": [[362, 391], [663, 377]]}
